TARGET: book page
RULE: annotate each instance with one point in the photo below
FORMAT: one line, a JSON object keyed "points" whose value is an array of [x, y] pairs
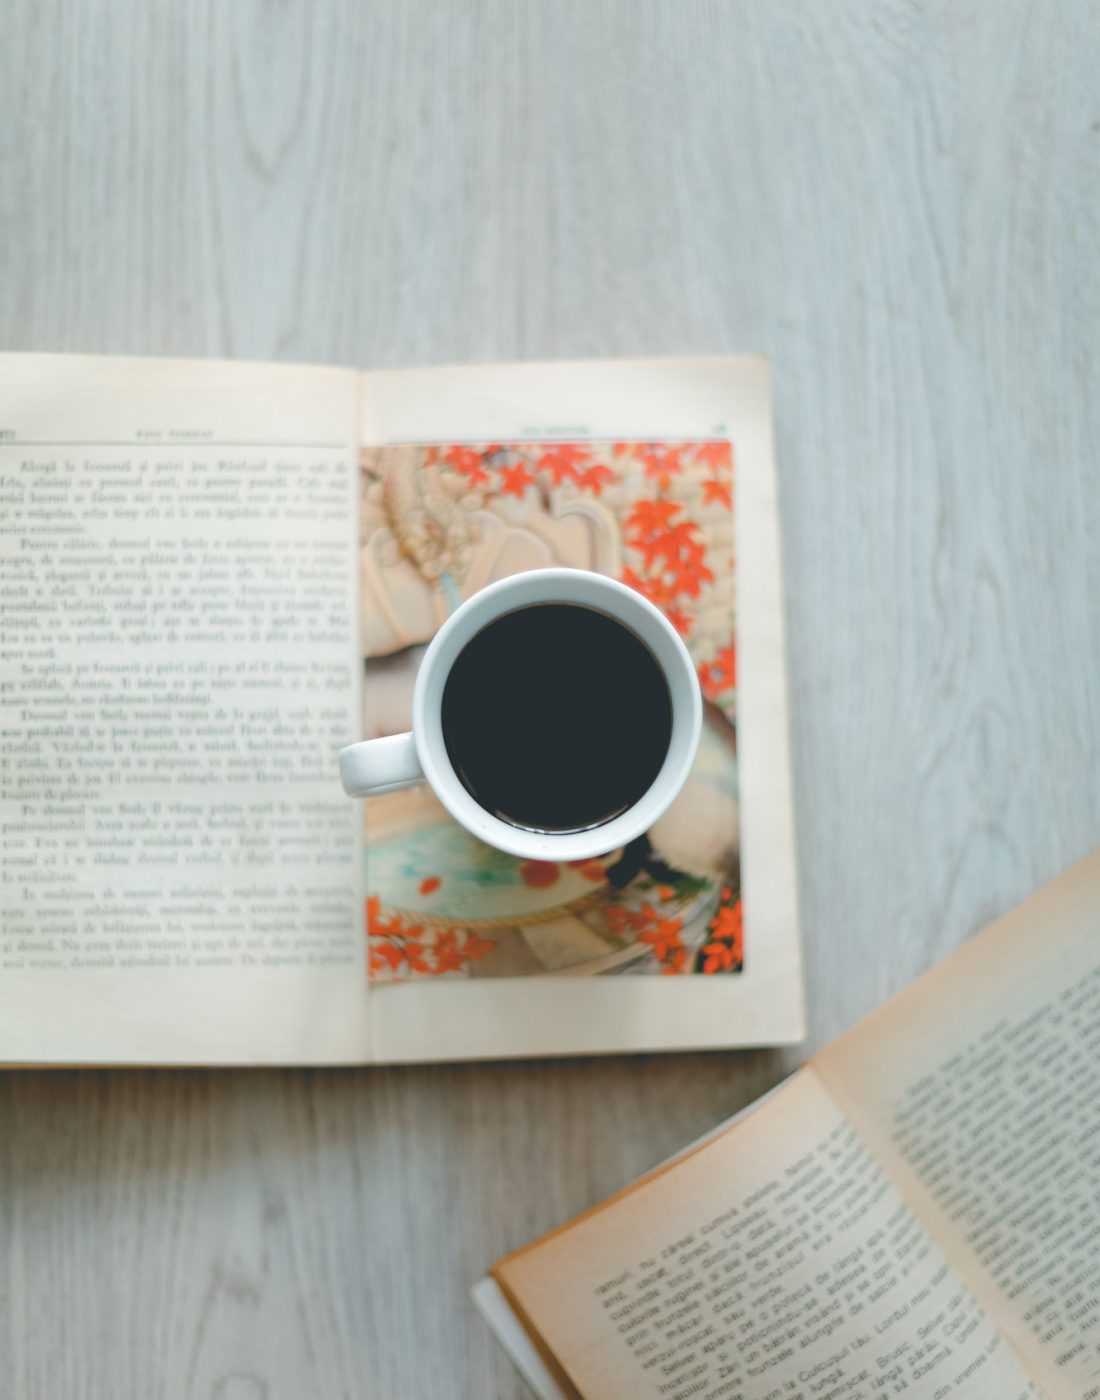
{"points": [[775, 1260], [474, 473], [979, 1092], [177, 615], [489, 1298]]}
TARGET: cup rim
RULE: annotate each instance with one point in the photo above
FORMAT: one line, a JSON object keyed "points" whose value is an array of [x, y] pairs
{"points": [[614, 599]]}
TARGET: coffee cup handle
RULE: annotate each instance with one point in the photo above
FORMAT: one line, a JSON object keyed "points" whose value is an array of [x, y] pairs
{"points": [[380, 765]]}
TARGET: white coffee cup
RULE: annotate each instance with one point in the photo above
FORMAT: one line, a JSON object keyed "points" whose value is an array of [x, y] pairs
{"points": [[382, 765]]}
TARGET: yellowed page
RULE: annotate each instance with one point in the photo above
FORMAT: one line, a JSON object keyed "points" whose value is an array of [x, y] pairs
{"points": [[979, 1091], [643, 399], [775, 1260], [177, 610]]}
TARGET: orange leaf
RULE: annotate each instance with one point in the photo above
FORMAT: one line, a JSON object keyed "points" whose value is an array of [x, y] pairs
{"points": [[728, 923], [414, 955], [430, 885], [563, 461], [714, 455], [658, 593], [649, 516], [474, 948], [660, 462], [386, 954], [665, 938], [727, 936], [726, 666], [689, 578], [595, 478], [468, 462], [717, 493], [376, 925], [448, 957], [719, 957], [516, 480], [675, 547]]}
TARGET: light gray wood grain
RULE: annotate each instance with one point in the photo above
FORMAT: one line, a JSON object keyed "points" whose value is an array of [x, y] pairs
{"points": [[900, 204]]}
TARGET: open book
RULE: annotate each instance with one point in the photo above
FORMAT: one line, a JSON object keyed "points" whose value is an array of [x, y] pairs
{"points": [[917, 1212], [214, 575]]}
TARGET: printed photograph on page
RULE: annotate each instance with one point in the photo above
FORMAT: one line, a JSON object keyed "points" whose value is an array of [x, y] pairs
{"points": [[438, 523]]}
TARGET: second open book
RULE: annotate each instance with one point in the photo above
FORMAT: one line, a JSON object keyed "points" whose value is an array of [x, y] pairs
{"points": [[917, 1212]]}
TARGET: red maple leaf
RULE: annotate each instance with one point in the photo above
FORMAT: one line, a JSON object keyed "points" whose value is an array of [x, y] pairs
{"points": [[688, 577], [717, 493], [430, 884], [725, 951], [719, 957], [468, 462], [448, 960], [679, 620], [722, 672], [447, 953], [595, 478], [414, 954], [376, 925], [651, 588], [648, 517], [516, 480], [671, 543], [665, 939], [715, 455], [563, 460], [728, 922], [383, 953], [474, 948], [661, 464]]}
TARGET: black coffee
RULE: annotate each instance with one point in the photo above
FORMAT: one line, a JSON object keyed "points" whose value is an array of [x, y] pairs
{"points": [[556, 717]]}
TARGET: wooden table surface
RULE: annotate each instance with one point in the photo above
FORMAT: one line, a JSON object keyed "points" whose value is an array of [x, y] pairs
{"points": [[900, 204]]}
